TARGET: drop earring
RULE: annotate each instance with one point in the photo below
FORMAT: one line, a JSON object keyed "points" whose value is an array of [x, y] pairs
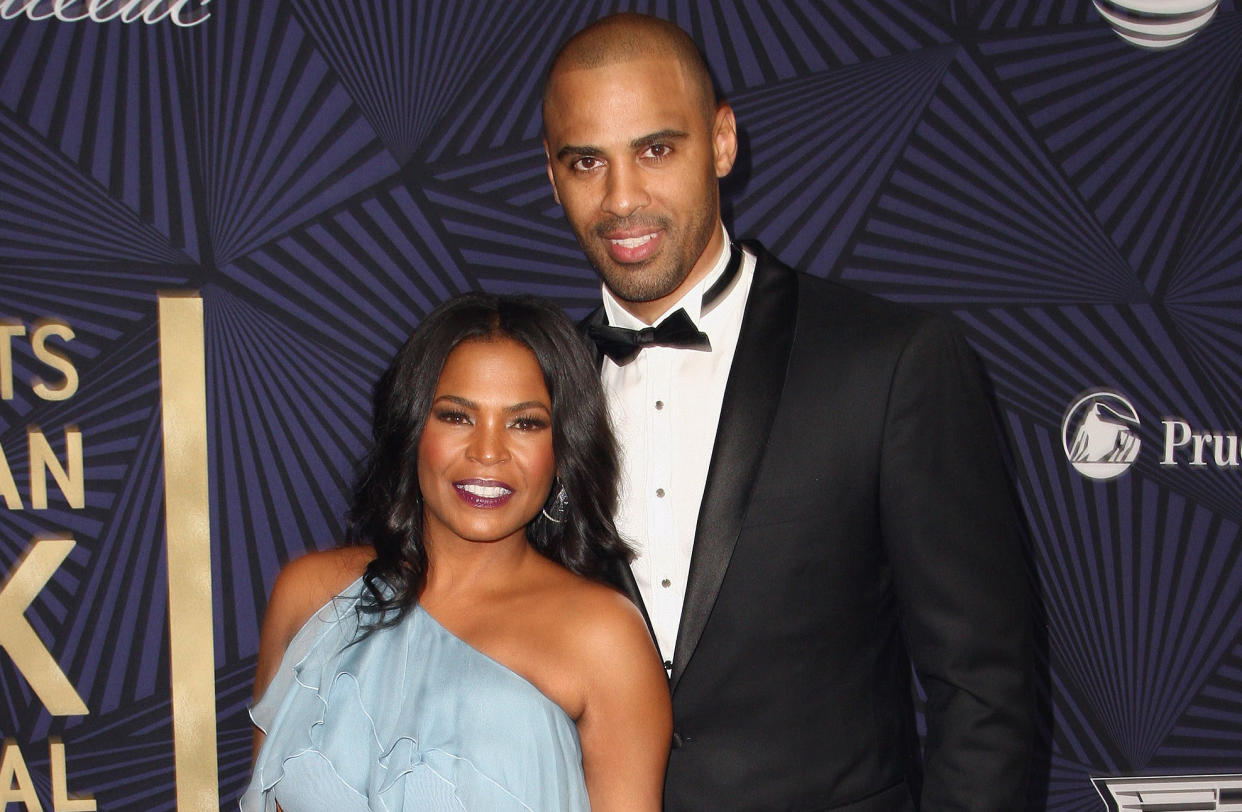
{"points": [[558, 506]]}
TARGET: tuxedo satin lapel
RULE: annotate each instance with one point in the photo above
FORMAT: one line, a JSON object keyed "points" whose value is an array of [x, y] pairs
{"points": [[750, 400]]}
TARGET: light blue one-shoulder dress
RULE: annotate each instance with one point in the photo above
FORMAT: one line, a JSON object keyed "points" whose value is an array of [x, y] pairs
{"points": [[406, 718]]}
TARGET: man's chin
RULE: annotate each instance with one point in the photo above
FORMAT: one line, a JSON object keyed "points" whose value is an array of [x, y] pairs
{"points": [[630, 294], [635, 282], [605, 263]]}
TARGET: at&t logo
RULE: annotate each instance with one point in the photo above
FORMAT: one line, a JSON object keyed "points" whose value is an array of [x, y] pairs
{"points": [[1156, 24]]}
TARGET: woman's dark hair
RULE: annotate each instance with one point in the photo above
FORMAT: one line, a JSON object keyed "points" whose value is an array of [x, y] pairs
{"points": [[387, 509]]}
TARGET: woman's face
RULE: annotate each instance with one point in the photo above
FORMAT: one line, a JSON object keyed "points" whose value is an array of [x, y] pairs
{"points": [[485, 462]]}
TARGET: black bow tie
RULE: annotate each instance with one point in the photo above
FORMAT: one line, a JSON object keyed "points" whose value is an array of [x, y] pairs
{"points": [[622, 344]]}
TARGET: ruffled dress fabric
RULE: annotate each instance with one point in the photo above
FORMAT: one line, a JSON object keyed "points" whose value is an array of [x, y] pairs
{"points": [[406, 718]]}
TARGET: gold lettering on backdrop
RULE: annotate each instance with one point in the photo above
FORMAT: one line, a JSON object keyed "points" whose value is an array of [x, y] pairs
{"points": [[8, 486], [19, 638], [54, 359], [43, 461], [183, 382], [8, 331], [15, 784], [61, 802], [48, 355]]}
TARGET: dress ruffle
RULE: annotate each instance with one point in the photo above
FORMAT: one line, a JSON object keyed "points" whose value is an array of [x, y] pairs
{"points": [[407, 718]]}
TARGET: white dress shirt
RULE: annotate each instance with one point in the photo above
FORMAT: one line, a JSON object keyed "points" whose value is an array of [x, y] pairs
{"points": [[665, 404]]}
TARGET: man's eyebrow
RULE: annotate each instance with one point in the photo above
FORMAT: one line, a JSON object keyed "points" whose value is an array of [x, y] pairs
{"points": [[570, 150], [656, 137], [576, 151]]}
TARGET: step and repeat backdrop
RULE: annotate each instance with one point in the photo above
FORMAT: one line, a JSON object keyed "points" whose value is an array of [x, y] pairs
{"points": [[219, 218]]}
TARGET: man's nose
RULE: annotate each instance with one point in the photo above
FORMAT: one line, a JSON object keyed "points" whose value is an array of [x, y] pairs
{"points": [[626, 191]]}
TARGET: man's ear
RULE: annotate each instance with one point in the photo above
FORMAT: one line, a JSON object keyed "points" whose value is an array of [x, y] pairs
{"points": [[724, 139], [547, 156]]}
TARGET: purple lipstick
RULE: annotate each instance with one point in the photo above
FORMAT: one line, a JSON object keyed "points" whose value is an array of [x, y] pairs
{"points": [[483, 493]]}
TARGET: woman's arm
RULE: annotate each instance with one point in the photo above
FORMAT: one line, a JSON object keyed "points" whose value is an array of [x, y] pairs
{"points": [[301, 588], [626, 725]]}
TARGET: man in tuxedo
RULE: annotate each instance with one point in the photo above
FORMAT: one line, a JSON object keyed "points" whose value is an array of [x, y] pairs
{"points": [[811, 476]]}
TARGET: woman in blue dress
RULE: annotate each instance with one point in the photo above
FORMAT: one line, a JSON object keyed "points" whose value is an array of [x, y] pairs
{"points": [[469, 657]]}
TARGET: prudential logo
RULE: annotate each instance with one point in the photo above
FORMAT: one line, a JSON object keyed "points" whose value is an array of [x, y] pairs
{"points": [[1100, 435]]}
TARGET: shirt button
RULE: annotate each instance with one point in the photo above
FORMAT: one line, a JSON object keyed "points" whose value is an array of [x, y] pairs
{"points": [[666, 583], [668, 665], [659, 405], [660, 492]]}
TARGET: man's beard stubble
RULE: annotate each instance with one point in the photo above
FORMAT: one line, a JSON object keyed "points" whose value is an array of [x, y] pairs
{"points": [[640, 282], [659, 276]]}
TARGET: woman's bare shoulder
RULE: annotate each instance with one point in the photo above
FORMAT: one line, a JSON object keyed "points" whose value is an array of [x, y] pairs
{"points": [[603, 626], [302, 587], [325, 569]]}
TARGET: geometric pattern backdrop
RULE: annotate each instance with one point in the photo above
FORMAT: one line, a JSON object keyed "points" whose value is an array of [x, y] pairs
{"points": [[324, 173]]}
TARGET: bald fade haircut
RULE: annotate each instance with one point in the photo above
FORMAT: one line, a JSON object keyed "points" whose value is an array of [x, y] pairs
{"points": [[625, 37]]}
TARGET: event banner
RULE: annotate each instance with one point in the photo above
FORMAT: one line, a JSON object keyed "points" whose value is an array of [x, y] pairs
{"points": [[220, 218]]}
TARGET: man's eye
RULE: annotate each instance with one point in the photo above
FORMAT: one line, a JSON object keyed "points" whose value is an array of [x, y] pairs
{"points": [[659, 150], [585, 164]]}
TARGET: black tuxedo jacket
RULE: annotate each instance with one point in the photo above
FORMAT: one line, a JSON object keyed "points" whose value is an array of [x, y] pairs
{"points": [[857, 518]]}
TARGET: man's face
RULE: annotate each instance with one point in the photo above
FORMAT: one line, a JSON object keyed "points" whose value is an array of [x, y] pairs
{"points": [[635, 165]]}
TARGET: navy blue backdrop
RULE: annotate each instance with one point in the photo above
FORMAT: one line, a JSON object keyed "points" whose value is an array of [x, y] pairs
{"points": [[324, 172]]}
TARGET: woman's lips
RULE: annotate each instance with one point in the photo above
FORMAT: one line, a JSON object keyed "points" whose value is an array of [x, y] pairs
{"points": [[482, 493]]}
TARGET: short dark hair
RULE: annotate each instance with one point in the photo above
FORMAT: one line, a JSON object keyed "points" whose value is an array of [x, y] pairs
{"points": [[619, 38], [387, 509]]}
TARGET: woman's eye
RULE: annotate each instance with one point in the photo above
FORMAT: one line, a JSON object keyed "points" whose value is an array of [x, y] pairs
{"points": [[530, 423], [452, 417]]}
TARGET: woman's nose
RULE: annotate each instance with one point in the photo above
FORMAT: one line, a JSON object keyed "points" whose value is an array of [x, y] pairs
{"points": [[487, 444]]}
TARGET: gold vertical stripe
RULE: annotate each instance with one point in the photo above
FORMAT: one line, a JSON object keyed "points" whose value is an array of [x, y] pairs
{"points": [[183, 382]]}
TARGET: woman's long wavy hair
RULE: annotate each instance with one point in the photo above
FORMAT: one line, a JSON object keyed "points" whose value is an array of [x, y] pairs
{"points": [[387, 508]]}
